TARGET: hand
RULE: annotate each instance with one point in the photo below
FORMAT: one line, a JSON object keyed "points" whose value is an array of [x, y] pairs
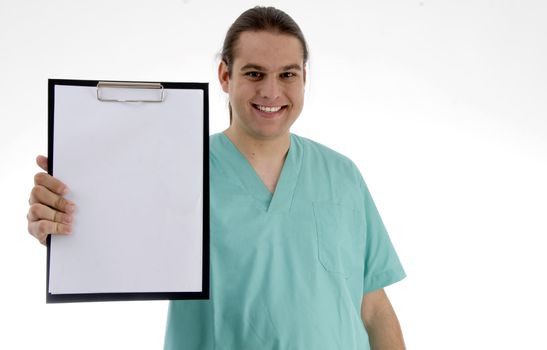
{"points": [[50, 212]]}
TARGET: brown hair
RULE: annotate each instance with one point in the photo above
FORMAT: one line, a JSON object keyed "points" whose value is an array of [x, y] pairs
{"points": [[260, 19]]}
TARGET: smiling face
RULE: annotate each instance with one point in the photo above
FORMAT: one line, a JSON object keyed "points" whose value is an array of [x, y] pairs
{"points": [[266, 84]]}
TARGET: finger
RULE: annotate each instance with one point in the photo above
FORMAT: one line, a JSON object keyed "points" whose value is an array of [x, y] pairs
{"points": [[41, 229], [51, 183], [40, 194], [39, 211], [42, 162]]}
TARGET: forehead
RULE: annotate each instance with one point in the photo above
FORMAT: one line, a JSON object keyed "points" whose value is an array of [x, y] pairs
{"points": [[267, 49]]}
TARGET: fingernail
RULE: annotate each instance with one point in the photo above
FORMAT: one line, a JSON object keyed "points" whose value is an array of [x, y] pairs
{"points": [[68, 229], [65, 191], [68, 219], [70, 207]]}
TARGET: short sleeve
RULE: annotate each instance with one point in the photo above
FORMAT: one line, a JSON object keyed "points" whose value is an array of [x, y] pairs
{"points": [[382, 266]]}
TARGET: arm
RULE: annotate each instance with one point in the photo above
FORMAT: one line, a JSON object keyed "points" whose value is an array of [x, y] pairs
{"points": [[49, 212], [381, 322]]}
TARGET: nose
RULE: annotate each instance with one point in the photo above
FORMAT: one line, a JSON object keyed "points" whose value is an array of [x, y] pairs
{"points": [[270, 88]]}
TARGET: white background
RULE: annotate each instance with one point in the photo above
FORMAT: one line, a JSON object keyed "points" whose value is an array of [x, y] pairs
{"points": [[442, 105]]}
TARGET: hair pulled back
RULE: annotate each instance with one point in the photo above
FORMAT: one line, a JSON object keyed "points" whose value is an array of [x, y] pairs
{"points": [[257, 19]]}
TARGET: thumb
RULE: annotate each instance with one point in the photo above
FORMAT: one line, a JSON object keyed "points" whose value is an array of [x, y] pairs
{"points": [[42, 162]]}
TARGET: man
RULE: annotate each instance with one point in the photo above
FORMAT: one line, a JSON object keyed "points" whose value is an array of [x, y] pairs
{"points": [[299, 255]]}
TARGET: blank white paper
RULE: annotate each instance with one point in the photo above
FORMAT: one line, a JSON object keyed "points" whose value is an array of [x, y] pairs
{"points": [[135, 172]]}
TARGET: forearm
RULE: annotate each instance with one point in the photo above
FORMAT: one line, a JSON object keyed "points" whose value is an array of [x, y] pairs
{"points": [[382, 324]]}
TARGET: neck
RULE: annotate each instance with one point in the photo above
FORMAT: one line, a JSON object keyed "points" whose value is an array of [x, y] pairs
{"points": [[258, 150], [266, 156]]}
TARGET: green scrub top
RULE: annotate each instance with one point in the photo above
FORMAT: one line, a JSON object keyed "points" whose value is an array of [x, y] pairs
{"points": [[288, 269]]}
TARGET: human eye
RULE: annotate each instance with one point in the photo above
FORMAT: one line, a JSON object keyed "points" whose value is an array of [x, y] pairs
{"points": [[288, 75], [254, 75]]}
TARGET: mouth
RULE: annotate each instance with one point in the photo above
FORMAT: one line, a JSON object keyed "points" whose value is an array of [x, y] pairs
{"points": [[268, 109]]}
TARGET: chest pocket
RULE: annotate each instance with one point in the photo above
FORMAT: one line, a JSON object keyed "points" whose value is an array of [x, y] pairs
{"points": [[340, 239]]}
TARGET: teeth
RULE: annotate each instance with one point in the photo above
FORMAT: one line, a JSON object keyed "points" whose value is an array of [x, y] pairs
{"points": [[268, 109]]}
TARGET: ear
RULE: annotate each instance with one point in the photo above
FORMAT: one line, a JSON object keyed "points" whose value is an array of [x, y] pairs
{"points": [[224, 76]]}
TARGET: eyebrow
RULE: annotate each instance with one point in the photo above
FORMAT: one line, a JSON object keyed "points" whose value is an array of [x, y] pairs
{"points": [[252, 66]]}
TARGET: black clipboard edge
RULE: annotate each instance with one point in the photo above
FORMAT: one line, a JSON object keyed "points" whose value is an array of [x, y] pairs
{"points": [[94, 297], [105, 297]]}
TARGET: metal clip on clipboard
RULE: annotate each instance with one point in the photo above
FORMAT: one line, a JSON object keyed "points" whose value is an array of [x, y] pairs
{"points": [[132, 92]]}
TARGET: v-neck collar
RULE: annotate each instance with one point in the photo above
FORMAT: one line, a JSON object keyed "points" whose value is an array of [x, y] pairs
{"points": [[281, 199]]}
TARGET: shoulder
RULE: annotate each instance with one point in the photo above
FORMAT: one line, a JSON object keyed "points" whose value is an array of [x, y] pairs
{"points": [[318, 153], [332, 176], [323, 161], [216, 144], [214, 139]]}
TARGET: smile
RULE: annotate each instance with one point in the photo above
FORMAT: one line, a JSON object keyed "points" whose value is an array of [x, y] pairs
{"points": [[268, 109]]}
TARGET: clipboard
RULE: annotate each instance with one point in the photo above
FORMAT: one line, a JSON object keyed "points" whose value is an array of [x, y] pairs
{"points": [[135, 156]]}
